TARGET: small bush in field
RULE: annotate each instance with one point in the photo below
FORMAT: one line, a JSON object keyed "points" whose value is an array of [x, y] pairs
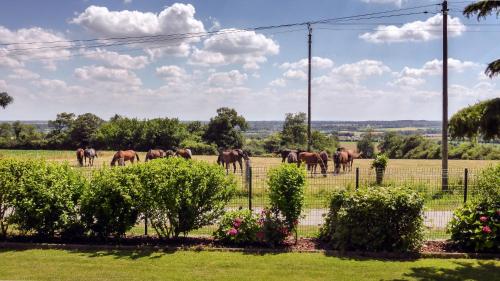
{"points": [[110, 205], [237, 227], [286, 192], [42, 195], [476, 226], [377, 219]]}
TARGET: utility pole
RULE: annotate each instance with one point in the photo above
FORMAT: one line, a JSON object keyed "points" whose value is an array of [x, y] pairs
{"points": [[309, 90], [444, 133]]}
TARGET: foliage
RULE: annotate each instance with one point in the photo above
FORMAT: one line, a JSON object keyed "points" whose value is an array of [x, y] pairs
{"points": [[180, 196], [286, 192], [487, 187], [476, 226], [43, 196], [273, 228], [84, 128], [198, 147], [380, 162], [321, 141], [5, 99], [272, 143], [238, 227], [294, 130], [110, 205], [481, 119], [365, 145], [376, 219], [225, 129], [390, 144]]}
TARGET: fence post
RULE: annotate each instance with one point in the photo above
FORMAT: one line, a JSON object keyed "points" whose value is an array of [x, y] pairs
{"points": [[249, 183], [145, 225], [357, 178], [466, 183]]}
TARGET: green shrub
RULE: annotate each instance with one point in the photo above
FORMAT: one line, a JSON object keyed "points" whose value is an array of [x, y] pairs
{"points": [[10, 173], [476, 226], [237, 227], [379, 164], [44, 196], [199, 147], [110, 205], [273, 228], [181, 195], [286, 192], [487, 187], [376, 219]]}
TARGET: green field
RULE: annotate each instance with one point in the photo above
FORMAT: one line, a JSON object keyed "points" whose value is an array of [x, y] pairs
{"points": [[188, 265]]}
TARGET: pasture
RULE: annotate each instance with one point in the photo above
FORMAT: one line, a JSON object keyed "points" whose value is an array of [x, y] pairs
{"points": [[190, 265]]}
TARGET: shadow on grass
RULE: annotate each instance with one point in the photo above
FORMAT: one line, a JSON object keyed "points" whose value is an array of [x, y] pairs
{"points": [[482, 271]]}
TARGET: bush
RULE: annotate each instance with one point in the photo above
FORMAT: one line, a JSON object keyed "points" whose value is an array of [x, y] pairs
{"points": [[44, 196], [377, 219], [237, 227], [488, 185], [476, 226], [181, 196], [286, 192], [273, 228], [379, 164], [199, 147], [110, 205]]}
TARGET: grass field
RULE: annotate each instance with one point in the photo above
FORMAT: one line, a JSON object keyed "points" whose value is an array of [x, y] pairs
{"points": [[188, 265]]}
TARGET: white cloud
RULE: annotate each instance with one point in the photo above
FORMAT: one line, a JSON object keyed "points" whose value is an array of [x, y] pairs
{"points": [[227, 79], [316, 62], [435, 66], [427, 30], [235, 46], [407, 82], [24, 74], [108, 75], [361, 69], [176, 19], [295, 74], [114, 59], [127, 1], [394, 2], [280, 82]]}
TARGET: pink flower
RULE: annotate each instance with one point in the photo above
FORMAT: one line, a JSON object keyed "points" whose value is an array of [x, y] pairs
{"points": [[295, 222], [483, 219], [237, 222], [232, 232], [486, 229], [260, 235]]}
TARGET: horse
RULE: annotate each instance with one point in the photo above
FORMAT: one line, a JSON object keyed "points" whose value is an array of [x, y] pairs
{"points": [[154, 153], [90, 154], [312, 159], [340, 157], [169, 153], [80, 153], [124, 155], [184, 153], [284, 154], [292, 157], [352, 155], [227, 157], [324, 156]]}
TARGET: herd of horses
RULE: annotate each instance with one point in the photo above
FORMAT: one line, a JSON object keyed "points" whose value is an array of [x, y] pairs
{"points": [[341, 158]]}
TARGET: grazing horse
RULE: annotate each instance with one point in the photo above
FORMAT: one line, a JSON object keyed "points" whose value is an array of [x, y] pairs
{"points": [[312, 159], [169, 153], [227, 157], [340, 157], [184, 153], [124, 155], [324, 156], [352, 155], [155, 153], [90, 154], [292, 157], [284, 154], [80, 154]]}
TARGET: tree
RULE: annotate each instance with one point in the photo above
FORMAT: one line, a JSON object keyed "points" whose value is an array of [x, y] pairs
{"points": [[365, 145], [225, 129], [321, 141], [5, 99], [391, 145], [62, 123], [84, 128], [294, 130], [481, 119], [484, 9]]}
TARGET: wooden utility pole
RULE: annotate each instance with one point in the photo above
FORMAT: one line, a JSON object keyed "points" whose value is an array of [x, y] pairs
{"points": [[444, 133], [309, 90]]}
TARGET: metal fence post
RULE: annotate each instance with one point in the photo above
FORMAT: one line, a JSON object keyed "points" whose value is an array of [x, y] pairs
{"points": [[248, 179], [145, 225], [357, 178], [466, 183]]}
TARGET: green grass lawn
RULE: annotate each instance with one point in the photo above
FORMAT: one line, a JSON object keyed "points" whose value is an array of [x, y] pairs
{"points": [[188, 265]]}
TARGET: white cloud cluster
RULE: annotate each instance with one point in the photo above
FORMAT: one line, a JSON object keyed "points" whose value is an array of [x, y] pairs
{"points": [[395, 2], [114, 59], [316, 62], [295, 74], [361, 69], [101, 74], [427, 30], [176, 19], [235, 46], [23, 74], [227, 79]]}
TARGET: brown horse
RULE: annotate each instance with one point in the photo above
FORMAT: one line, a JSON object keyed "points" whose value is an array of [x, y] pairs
{"points": [[124, 155], [80, 153], [340, 157], [184, 153], [169, 153], [154, 153], [312, 159], [227, 157], [352, 155], [324, 156], [292, 157], [89, 153]]}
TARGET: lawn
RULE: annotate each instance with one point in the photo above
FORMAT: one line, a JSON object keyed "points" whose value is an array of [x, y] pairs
{"points": [[189, 265]]}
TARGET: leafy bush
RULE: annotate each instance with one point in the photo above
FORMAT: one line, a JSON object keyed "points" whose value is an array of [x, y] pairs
{"points": [[488, 185], [44, 196], [237, 227], [379, 164], [181, 196], [377, 219], [10, 173], [476, 226], [110, 205], [286, 192], [273, 228], [199, 147]]}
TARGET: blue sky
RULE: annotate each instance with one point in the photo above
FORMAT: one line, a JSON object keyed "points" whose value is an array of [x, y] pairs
{"points": [[366, 69]]}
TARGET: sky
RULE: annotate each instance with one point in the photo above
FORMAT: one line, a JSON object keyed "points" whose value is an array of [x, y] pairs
{"points": [[186, 59]]}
